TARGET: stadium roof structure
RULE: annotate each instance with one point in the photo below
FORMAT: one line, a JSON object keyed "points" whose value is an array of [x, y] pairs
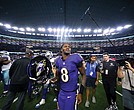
{"points": [[67, 12], [47, 20]]}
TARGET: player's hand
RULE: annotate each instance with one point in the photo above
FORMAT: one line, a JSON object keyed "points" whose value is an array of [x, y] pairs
{"points": [[79, 98], [54, 70], [96, 82], [128, 65], [53, 80]]}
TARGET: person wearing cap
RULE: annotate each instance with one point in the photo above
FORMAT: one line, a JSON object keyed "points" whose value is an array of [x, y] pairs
{"points": [[18, 81], [5, 72]]}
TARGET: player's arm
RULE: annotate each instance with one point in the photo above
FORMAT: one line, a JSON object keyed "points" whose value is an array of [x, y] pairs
{"points": [[56, 76], [97, 74], [82, 85], [83, 74], [128, 65], [6, 62], [97, 79], [120, 72]]}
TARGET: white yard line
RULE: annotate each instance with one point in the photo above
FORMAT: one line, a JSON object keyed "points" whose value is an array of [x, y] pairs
{"points": [[15, 99], [116, 91]]}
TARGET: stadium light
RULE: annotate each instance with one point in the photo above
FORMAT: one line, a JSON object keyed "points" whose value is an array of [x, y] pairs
{"points": [[58, 29], [66, 30], [28, 29], [50, 29], [32, 29], [1, 24], [79, 30], [89, 30], [70, 30], [8, 26], [111, 30], [85, 30], [106, 31], [33, 33], [99, 30], [41, 29], [21, 29], [62, 30], [127, 26], [119, 28], [74, 30], [95, 31], [15, 28], [54, 30]]}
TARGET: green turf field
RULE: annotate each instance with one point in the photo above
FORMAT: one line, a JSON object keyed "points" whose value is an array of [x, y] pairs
{"points": [[50, 105]]}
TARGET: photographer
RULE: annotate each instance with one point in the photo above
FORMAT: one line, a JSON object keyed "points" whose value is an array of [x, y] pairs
{"points": [[127, 74]]}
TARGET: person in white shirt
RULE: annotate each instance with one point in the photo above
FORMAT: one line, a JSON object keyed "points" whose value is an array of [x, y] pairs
{"points": [[126, 72], [5, 72]]}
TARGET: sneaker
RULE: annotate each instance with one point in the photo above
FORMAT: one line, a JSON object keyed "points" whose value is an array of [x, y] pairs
{"points": [[93, 99], [37, 106], [42, 102], [109, 108], [115, 106], [87, 104], [3, 95], [55, 100]]}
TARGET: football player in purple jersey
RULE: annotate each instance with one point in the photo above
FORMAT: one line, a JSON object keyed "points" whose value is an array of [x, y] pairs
{"points": [[68, 66]]}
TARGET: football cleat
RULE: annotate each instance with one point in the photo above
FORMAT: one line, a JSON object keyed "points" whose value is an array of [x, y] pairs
{"points": [[114, 105], [109, 108], [42, 102]]}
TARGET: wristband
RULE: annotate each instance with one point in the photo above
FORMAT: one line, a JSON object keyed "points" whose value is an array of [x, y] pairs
{"points": [[81, 89]]}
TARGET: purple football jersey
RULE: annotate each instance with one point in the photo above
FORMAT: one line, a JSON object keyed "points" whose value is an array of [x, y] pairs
{"points": [[68, 70]]}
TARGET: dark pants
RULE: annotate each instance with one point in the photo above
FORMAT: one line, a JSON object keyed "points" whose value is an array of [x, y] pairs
{"points": [[11, 97], [110, 89]]}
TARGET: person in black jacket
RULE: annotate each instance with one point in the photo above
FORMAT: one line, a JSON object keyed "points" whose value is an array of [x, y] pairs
{"points": [[109, 75], [18, 81]]}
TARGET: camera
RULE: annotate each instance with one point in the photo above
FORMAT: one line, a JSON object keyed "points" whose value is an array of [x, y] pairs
{"points": [[121, 62]]}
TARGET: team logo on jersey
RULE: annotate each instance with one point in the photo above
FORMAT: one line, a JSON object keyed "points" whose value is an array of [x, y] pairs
{"points": [[39, 66], [111, 64], [63, 63]]}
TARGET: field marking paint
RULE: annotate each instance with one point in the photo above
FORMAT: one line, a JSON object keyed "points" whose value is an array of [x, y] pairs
{"points": [[115, 91], [15, 99]]}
